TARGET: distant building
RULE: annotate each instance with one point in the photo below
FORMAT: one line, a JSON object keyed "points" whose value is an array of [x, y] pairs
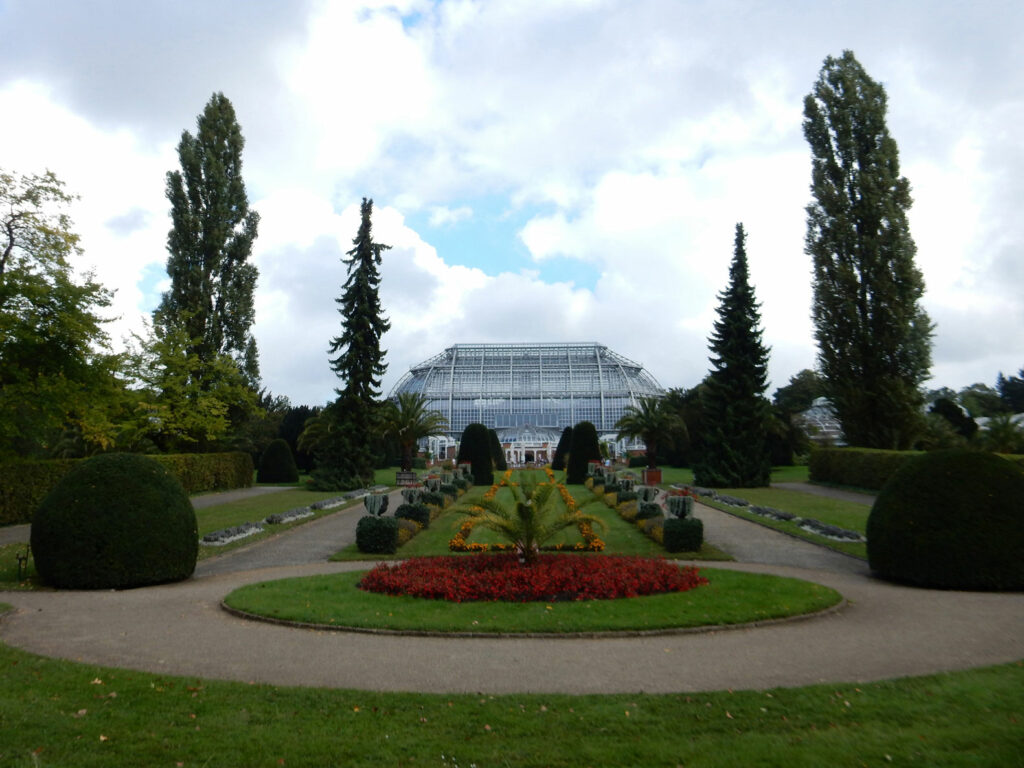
{"points": [[820, 423], [528, 393]]}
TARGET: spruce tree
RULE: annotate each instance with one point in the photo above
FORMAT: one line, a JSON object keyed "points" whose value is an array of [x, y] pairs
{"points": [[736, 413], [345, 459], [211, 238], [874, 338]]}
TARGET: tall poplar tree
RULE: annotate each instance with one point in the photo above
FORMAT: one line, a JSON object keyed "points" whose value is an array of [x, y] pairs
{"points": [[874, 338], [211, 238], [736, 413], [345, 458]]}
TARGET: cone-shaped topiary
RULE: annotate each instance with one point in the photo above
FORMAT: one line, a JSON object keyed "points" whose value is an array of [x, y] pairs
{"points": [[950, 519], [115, 521], [583, 449], [475, 448], [277, 465], [558, 462]]}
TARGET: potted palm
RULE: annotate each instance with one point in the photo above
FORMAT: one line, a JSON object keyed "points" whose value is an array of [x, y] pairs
{"points": [[651, 421]]}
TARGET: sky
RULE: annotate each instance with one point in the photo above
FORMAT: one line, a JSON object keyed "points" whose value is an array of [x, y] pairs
{"points": [[565, 170]]}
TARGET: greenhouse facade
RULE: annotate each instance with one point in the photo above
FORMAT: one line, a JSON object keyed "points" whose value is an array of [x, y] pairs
{"points": [[542, 387]]}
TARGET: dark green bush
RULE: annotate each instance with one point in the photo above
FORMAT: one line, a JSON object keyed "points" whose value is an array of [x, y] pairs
{"points": [[450, 490], [277, 465], [419, 462], [475, 449], [497, 452], [377, 535], [418, 512], [433, 497], [683, 534], [24, 484], [115, 521], [953, 520], [583, 449], [648, 509], [558, 462], [637, 461], [625, 496], [866, 468]]}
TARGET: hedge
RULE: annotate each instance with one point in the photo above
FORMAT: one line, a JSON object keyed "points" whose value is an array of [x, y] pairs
{"points": [[866, 468], [24, 484]]}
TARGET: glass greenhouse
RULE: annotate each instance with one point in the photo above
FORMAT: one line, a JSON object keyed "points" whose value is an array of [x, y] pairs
{"points": [[544, 386]]}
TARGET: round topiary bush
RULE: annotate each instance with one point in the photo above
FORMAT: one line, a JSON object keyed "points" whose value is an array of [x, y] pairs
{"points": [[115, 521], [277, 465], [950, 519]]}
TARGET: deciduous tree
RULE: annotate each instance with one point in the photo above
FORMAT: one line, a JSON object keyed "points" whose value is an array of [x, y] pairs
{"points": [[209, 244], [874, 337]]}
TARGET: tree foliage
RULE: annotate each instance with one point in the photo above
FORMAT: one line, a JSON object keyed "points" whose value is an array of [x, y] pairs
{"points": [[57, 374], [1011, 391], [475, 450], [800, 393], [564, 442], [874, 338], [583, 449], [736, 414], [407, 419], [209, 244], [654, 422], [345, 458]]}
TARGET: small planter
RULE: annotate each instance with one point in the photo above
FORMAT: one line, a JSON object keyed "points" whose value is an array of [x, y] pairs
{"points": [[652, 476]]}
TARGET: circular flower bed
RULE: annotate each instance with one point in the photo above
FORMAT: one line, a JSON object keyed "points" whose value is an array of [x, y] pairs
{"points": [[551, 578]]}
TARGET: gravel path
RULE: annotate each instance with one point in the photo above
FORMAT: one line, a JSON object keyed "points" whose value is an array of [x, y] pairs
{"points": [[885, 631]]}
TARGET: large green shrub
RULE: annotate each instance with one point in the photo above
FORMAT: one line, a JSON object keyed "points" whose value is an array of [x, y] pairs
{"points": [[583, 449], [683, 534], [418, 512], [24, 484], [858, 467], [475, 449], [115, 521], [377, 535], [951, 519], [277, 465], [558, 462]]}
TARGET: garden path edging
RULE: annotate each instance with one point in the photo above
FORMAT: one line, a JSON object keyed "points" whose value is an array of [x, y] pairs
{"points": [[610, 634]]}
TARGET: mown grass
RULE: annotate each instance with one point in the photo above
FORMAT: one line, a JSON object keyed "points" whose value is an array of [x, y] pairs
{"points": [[60, 713], [731, 597], [620, 537], [845, 514]]}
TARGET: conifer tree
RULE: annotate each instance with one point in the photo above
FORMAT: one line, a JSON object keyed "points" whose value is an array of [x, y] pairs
{"points": [[736, 414], [211, 238], [874, 338], [346, 458]]}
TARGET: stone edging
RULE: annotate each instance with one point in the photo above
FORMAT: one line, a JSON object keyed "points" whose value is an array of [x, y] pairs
{"points": [[611, 634]]}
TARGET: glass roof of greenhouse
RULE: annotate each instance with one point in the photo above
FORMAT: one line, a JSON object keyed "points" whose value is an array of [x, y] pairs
{"points": [[548, 386]]}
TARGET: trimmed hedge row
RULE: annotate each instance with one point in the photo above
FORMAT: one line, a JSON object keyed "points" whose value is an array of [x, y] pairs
{"points": [[866, 468], [24, 484]]}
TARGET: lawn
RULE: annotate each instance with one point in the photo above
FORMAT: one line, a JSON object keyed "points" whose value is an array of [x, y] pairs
{"points": [[731, 597], [61, 713]]}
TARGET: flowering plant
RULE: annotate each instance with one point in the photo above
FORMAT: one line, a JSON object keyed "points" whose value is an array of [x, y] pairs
{"points": [[549, 578]]}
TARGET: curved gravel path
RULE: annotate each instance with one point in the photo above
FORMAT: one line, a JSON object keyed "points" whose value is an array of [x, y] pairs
{"points": [[885, 631]]}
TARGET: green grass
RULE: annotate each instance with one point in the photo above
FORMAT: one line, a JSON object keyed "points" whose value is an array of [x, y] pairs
{"points": [[731, 598], [846, 514], [60, 713], [620, 537], [9, 568], [256, 509]]}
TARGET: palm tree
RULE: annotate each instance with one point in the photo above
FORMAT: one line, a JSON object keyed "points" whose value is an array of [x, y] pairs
{"points": [[408, 420], [652, 422], [532, 517]]}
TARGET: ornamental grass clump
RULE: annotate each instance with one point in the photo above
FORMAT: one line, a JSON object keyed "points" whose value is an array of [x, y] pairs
{"points": [[549, 578]]}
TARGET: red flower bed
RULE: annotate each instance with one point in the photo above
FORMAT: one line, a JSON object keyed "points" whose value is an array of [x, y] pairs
{"points": [[551, 578]]}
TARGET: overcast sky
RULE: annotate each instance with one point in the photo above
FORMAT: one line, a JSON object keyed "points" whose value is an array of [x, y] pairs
{"points": [[544, 171]]}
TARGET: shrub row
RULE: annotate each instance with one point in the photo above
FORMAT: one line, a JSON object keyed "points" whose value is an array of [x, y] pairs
{"points": [[24, 484], [866, 468]]}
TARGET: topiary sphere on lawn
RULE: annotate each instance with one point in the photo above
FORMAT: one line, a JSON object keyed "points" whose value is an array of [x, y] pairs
{"points": [[115, 521], [277, 465], [953, 520]]}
